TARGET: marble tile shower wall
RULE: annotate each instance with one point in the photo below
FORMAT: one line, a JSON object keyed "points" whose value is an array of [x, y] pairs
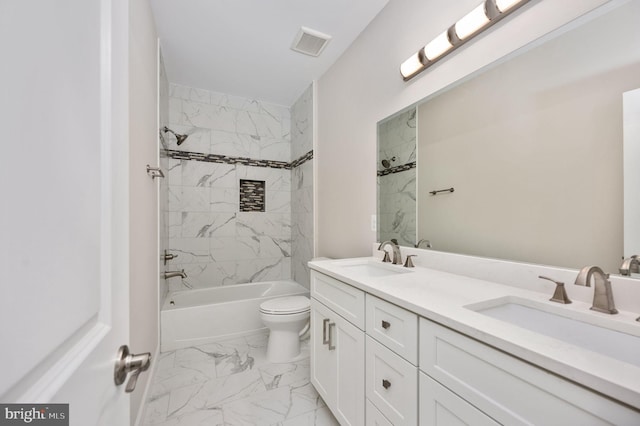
{"points": [[215, 242], [397, 182], [302, 187]]}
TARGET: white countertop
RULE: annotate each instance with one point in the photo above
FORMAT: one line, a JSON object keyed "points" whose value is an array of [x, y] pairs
{"points": [[442, 297]]}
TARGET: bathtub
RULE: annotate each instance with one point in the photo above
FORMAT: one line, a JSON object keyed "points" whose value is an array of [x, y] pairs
{"points": [[195, 317]]}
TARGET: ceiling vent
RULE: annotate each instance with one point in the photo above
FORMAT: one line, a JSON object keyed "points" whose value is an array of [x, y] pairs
{"points": [[310, 42]]}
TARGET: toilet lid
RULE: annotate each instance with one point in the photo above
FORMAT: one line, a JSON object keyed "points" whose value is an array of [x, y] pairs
{"points": [[286, 305]]}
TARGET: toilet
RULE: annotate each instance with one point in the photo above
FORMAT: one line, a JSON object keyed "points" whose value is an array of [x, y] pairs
{"points": [[287, 319]]}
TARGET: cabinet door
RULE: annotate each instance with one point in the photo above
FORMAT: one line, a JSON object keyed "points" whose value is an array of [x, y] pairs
{"points": [[337, 364], [348, 342], [441, 407], [323, 361]]}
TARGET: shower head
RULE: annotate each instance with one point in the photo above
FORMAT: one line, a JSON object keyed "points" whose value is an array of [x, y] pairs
{"points": [[179, 138], [386, 163]]}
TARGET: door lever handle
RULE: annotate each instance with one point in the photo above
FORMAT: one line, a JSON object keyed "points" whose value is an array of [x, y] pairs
{"points": [[126, 363]]}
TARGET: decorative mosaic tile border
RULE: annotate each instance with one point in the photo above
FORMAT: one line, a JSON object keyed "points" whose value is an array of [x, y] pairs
{"points": [[397, 169], [300, 161], [224, 159]]}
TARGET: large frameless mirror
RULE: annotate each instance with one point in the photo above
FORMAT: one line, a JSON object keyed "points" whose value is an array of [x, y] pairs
{"points": [[533, 150]]}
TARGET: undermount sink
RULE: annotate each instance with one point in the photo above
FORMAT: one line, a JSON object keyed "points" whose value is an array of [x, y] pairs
{"points": [[613, 339], [372, 270]]}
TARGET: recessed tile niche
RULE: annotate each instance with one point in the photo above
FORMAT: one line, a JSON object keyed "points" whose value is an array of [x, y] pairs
{"points": [[252, 193]]}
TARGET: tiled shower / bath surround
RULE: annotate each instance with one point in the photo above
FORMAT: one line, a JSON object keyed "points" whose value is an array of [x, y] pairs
{"points": [[397, 178], [302, 187], [163, 195], [232, 139]]}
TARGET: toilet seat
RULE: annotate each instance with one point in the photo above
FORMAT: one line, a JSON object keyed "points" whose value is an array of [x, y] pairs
{"points": [[286, 305]]}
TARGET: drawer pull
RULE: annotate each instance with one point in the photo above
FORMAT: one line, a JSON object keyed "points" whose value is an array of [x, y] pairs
{"points": [[385, 324], [386, 384], [332, 346], [325, 340]]}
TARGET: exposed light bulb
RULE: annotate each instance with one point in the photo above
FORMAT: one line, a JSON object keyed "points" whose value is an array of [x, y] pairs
{"points": [[411, 66], [437, 47], [471, 22], [504, 5]]}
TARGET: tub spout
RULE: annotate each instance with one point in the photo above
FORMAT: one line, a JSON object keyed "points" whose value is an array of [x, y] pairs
{"points": [[171, 274]]}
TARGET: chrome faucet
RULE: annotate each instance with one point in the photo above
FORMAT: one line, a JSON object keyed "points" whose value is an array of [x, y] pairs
{"points": [[629, 265], [171, 274], [602, 293], [397, 256]]}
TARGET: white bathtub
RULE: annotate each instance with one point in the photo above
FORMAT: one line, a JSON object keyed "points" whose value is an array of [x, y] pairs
{"points": [[195, 317]]}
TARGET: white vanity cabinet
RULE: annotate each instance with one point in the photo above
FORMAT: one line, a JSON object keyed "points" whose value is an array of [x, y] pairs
{"points": [[504, 388], [338, 347], [376, 363]]}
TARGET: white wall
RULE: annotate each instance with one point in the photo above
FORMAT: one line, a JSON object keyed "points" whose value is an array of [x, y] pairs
{"points": [[364, 86], [143, 213]]}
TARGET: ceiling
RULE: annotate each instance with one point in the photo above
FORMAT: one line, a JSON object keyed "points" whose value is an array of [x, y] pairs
{"points": [[242, 47]]}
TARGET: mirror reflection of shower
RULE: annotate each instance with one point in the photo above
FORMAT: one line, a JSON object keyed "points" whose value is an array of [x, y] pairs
{"points": [[179, 138], [386, 163]]}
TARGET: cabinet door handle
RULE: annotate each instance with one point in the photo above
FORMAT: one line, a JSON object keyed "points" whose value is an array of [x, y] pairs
{"points": [[325, 340], [386, 384], [332, 346], [385, 324]]}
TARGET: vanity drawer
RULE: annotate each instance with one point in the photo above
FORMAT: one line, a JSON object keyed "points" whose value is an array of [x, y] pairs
{"points": [[508, 389], [374, 416], [441, 407], [345, 300], [391, 384], [394, 327]]}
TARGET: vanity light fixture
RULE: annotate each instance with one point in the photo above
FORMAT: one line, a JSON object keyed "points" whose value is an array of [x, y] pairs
{"points": [[470, 25]]}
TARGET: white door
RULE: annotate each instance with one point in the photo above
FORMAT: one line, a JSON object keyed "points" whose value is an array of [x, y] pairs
{"points": [[64, 205]]}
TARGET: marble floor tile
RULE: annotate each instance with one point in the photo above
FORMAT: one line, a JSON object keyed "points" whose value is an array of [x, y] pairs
{"points": [[211, 417], [231, 382], [272, 407], [156, 410], [320, 417], [214, 393], [291, 374]]}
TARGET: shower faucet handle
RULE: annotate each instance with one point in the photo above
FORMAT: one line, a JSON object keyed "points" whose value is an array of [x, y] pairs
{"points": [[168, 256]]}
